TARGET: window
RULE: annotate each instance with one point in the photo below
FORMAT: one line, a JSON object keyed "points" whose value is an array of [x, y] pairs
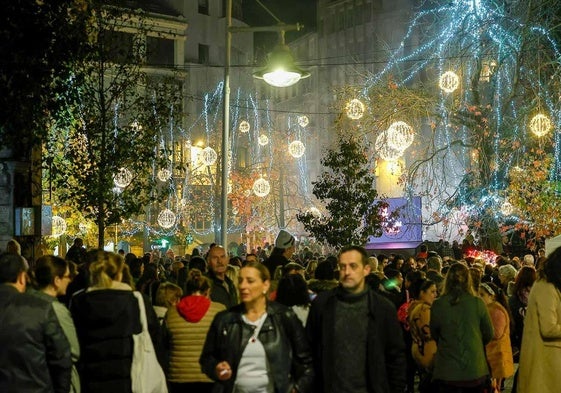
{"points": [[159, 51], [203, 54], [203, 7]]}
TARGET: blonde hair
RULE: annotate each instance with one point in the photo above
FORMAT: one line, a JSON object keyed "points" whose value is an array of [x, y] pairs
{"points": [[168, 294], [105, 269]]}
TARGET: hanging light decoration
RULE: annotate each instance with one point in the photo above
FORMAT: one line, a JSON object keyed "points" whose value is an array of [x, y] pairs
{"points": [[244, 126], [400, 135], [83, 227], [164, 174], [123, 178], [166, 218], [296, 149], [540, 125], [263, 140], [59, 226], [506, 208], [449, 81], [384, 149], [261, 187], [136, 126], [208, 156], [303, 121], [354, 109], [314, 211]]}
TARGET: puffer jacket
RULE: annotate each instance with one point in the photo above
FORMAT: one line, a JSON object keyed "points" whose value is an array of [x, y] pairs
{"points": [[283, 337]]}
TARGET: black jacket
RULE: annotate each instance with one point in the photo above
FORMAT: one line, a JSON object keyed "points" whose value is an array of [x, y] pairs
{"points": [[283, 338], [385, 352], [34, 352], [219, 294]]}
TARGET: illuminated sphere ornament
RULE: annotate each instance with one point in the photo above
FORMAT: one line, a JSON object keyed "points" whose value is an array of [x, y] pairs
{"points": [[263, 140], [354, 109], [314, 211], [449, 81], [296, 149], [208, 156], [83, 227], [384, 149], [123, 178], [303, 121], [164, 174], [506, 208], [540, 125], [59, 226], [400, 135], [261, 187], [244, 126], [166, 218]]}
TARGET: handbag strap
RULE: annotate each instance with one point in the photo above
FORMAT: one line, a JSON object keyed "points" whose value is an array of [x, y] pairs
{"points": [[142, 308]]}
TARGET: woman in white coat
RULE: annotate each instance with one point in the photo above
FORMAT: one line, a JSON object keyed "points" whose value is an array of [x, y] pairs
{"points": [[540, 355]]}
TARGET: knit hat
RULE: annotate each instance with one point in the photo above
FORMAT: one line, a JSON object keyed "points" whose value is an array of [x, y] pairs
{"points": [[284, 240]]}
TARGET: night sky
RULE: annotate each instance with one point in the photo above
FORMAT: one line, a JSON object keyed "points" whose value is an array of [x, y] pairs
{"points": [[288, 11]]}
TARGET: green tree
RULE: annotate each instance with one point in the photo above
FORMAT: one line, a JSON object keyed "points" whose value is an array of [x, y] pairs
{"points": [[346, 189], [103, 155]]}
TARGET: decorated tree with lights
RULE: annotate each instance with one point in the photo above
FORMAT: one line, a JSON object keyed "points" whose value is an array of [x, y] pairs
{"points": [[479, 94], [346, 191], [102, 157]]}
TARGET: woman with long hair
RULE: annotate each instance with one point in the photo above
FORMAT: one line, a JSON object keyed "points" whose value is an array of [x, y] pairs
{"points": [[106, 316], [51, 277], [188, 323], [540, 354], [498, 350], [461, 327], [518, 303], [258, 345]]}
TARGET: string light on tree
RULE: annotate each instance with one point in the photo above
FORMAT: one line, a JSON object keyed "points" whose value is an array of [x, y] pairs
{"points": [[59, 226], [506, 208], [303, 121], [208, 156], [164, 174], [400, 135], [261, 187], [296, 149], [355, 109], [123, 178], [449, 81], [384, 149], [263, 140], [244, 126], [166, 218], [540, 125]]}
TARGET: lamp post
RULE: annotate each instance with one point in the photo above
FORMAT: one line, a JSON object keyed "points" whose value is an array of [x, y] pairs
{"points": [[280, 71]]}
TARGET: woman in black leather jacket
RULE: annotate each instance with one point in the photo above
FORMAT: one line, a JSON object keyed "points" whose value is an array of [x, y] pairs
{"points": [[257, 345]]}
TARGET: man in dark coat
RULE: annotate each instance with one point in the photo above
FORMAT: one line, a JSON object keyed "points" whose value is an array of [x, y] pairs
{"points": [[35, 354], [355, 336]]}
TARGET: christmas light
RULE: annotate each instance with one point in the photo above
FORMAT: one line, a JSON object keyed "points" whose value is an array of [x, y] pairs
{"points": [[449, 81], [540, 125], [296, 149], [263, 140], [244, 126], [208, 156], [261, 187], [354, 109], [123, 178], [166, 218], [59, 226], [164, 174], [303, 121]]}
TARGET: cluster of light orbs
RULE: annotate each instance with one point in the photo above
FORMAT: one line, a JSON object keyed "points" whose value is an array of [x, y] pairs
{"points": [[164, 174], [208, 156], [122, 178], [166, 218], [296, 149], [540, 125], [449, 81], [59, 226], [261, 187], [244, 126], [354, 109]]}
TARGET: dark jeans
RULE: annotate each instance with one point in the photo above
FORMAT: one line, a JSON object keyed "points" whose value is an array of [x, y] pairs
{"points": [[190, 387], [445, 388]]}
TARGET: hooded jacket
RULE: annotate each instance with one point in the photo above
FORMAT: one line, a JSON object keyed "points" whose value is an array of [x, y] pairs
{"points": [[188, 324]]}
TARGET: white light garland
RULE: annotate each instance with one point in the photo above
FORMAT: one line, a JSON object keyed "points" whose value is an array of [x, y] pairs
{"points": [[449, 81], [540, 125], [59, 226], [164, 174], [208, 156], [303, 121], [166, 218], [506, 208], [355, 109], [263, 140], [296, 149], [123, 178], [261, 187], [244, 126]]}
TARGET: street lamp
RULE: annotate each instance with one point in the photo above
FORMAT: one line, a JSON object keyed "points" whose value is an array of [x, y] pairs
{"points": [[281, 71]]}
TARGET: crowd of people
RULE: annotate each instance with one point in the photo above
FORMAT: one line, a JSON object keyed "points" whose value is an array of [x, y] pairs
{"points": [[281, 321]]}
